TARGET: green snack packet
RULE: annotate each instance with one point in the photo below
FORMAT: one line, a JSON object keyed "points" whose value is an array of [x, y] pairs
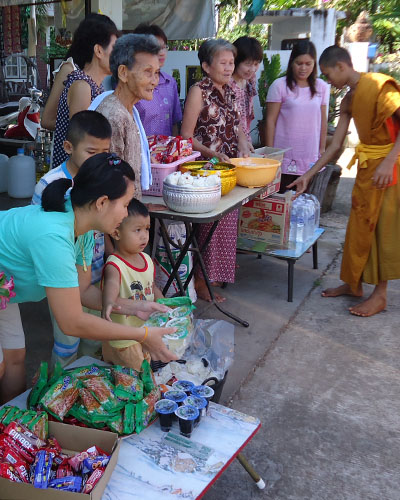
{"points": [[79, 412], [116, 422], [140, 415], [84, 372], [129, 418], [58, 372], [177, 302], [40, 425], [144, 411], [128, 385], [11, 415], [104, 391], [27, 417], [61, 396], [39, 386], [147, 377], [151, 399], [4, 411]]}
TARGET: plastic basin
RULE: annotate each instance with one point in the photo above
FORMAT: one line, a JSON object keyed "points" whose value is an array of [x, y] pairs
{"points": [[255, 172]]}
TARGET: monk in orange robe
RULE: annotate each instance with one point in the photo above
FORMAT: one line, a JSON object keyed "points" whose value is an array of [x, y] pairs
{"points": [[371, 253]]}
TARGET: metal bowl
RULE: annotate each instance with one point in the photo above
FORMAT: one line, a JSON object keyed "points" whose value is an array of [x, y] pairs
{"points": [[191, 200]]}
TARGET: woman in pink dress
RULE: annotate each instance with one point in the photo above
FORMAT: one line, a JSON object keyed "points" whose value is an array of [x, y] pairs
{"points": [[212, 119], [297, 113], [247, 61]]}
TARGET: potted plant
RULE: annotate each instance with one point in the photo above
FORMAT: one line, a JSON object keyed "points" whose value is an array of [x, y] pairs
{"points": [[271, 71]]}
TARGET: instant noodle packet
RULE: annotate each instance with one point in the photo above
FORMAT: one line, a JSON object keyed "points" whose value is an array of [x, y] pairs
{"points": [[128, 385], [61, 396], [104, 391], [115, 422]]}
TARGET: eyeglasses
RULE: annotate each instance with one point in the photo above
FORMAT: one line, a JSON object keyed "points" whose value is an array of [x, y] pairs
{"points": [[113, 159]]}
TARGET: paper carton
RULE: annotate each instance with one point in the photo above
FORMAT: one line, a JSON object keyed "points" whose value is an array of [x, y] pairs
{"points": [[73, 440], [273, 187], [266, 220]]}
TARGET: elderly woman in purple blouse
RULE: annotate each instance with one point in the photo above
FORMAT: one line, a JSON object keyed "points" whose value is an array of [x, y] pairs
{"points": [[161, 115]]}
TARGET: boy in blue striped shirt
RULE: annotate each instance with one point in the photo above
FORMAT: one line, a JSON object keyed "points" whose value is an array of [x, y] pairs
{"points": [[88, 134]]}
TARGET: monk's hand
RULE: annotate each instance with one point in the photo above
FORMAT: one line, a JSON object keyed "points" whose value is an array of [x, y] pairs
{"points": [[300, 184], [156, 347], [383, 175]]}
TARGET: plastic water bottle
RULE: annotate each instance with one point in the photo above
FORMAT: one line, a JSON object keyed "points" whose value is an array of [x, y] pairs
{"points": [[293, 222], [3, 173], [21, 175], [300, 236]]}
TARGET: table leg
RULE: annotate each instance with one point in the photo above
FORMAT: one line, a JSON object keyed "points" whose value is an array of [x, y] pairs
{"points": [[200, 262], [291, 263], [175, 264], [249, 468], [315, 255]]}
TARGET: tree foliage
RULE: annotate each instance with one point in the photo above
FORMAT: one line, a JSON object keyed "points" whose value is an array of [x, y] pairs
{"points": [[385, 17]]}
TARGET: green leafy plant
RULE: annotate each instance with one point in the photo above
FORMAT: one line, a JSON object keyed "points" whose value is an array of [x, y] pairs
{"points": [[271, 71]]}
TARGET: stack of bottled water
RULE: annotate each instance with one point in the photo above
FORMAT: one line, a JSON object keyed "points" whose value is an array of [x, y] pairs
{"points": [[304, 218]]}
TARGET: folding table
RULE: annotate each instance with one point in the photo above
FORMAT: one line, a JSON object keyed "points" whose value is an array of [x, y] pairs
{"points": [[228, 203]]}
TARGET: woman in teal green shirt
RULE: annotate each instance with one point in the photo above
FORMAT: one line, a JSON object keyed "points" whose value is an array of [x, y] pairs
{"points": [[37, 248]]}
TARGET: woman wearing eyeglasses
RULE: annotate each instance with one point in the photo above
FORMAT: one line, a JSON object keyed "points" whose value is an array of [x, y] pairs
{"points": [[48, 250], [163, 113]]}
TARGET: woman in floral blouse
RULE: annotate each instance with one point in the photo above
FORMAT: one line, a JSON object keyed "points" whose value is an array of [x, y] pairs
{"points": [[212, 119]]}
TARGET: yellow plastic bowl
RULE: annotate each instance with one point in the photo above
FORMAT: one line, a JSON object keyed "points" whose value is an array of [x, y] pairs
{"points": [[255, 172], [226, 170]]}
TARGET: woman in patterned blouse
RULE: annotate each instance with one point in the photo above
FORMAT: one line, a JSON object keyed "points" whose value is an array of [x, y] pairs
{"points": [[83, 85], [211, 117]]}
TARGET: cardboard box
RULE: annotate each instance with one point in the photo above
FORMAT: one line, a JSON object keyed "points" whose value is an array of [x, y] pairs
{"points": [[273, 187], [72, 439], [266, 220]]}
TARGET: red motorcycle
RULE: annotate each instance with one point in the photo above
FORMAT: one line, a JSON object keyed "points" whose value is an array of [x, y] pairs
{"points": [[28, 120]]}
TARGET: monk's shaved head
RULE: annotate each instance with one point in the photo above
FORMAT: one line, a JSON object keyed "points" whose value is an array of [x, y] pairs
{"points": [[334, 54]]}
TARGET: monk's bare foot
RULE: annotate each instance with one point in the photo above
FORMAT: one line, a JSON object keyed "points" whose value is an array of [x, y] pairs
{"points": [[204, 294], [373, 305], [341, 290]]}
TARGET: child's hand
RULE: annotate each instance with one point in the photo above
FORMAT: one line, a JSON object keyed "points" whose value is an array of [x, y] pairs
{"points": [[383, 175], [145, 308], [108, 309], [156, 347]]}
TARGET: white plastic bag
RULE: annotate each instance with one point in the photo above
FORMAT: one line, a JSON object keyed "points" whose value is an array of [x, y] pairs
{"points": [[177, 232]]}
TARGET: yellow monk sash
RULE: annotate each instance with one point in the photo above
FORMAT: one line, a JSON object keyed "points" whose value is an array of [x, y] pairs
{"points": [[365, 152]]}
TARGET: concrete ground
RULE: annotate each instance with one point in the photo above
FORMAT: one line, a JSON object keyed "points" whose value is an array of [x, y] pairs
{"points": [[322, 382]]}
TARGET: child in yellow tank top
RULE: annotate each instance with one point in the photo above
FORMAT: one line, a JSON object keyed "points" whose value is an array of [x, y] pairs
{"points": [[129, 274]]}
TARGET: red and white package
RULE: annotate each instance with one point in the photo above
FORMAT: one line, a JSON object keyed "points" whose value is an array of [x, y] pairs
{"points": [[7, 442], [93, 479], [7, 471], [24, 437], [76, 461]]}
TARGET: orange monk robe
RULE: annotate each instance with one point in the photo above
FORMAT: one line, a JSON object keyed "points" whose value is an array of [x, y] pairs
{"points": [[371, 250]]}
